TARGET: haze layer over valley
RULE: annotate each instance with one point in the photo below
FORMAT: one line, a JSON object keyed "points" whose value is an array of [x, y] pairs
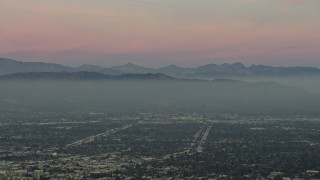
{"points": [[155, 96]]}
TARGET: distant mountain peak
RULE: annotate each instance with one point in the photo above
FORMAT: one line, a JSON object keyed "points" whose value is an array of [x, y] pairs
{"points": [[132, 68], [91, 68], [239, 64], [130, 64], [172, 66], [2, 60]]}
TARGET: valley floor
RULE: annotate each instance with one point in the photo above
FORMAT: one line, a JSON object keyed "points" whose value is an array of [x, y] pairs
{"points": [[160, 146]]}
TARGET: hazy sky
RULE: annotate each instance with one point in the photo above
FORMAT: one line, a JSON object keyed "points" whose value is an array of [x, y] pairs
{"points": [[161, 32]]}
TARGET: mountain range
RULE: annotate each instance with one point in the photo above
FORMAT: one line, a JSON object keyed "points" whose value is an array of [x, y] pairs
{"points": [[85, 75], [8, 66]]}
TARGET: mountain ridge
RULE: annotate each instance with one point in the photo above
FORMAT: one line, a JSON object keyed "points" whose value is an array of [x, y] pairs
{"points": [[85, 75], [8, 66], [151, 77]]}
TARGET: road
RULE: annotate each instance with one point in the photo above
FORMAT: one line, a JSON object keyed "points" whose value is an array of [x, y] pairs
{"points": [[106, 133], [200, 141]]}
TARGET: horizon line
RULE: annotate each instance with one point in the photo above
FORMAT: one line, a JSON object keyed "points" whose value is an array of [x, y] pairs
{"points": [[137, 64]]}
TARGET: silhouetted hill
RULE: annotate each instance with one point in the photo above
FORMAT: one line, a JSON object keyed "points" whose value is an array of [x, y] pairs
{"points": [[90, 68], [132, 68], [83, 75], [8, 66], [239, 70]]}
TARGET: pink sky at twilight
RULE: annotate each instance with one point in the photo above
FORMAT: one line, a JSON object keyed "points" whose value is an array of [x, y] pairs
{"points": [[161, 32]]}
